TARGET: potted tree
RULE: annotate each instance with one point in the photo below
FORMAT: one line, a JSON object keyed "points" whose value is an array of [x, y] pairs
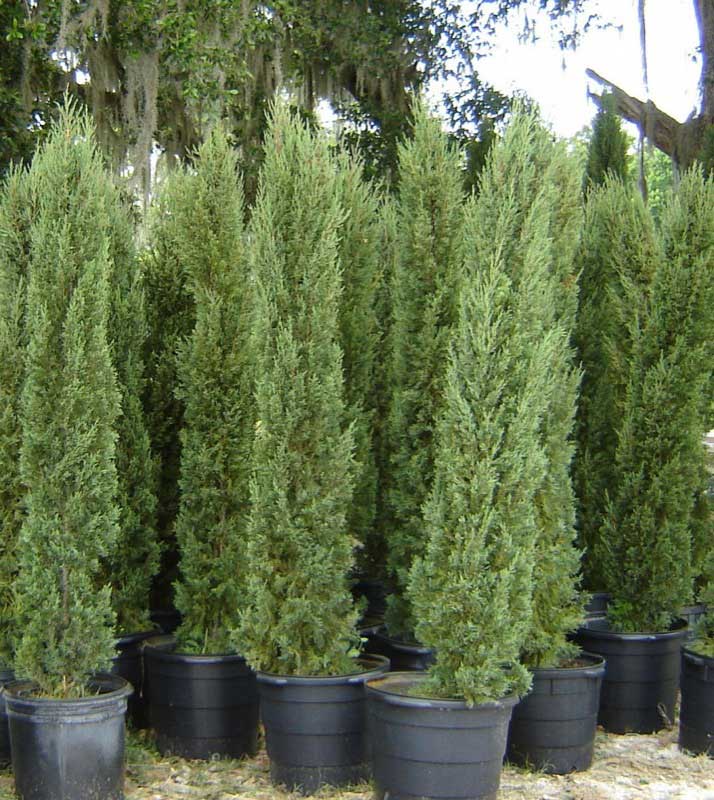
{"points": [[443, 732], [299, 629], [423, 294], [645, 542], [203, 696], [64, 710]]}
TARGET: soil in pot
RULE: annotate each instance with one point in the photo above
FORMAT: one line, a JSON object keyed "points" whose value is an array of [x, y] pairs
{"points": [[200, 706], [434, 748], [641, 680], [315, 727], [403, 656], [553, 728], [69, 749], [6, 676], [129, 663], [696, 712]]}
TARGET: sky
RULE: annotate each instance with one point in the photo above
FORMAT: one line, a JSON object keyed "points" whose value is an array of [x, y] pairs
{"points": [[557, 80]]}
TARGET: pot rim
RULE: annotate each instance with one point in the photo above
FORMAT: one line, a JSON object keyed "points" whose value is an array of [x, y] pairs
{"points": [[378, 667], [699, 659], [593, 670], [417, 701], [679, 629], [18, 693], [134, 638], [400, 644], [163, 649]]}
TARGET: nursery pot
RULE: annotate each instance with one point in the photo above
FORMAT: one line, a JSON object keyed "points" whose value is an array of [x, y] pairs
{"points": [[433, 748], [692, 615], [403, 656], [553, 727], [129, 664], [168, 619], [69, 749], [597, 604], [6, 675], [315, 727], [641, 680], [696, 712], [200, 706]]}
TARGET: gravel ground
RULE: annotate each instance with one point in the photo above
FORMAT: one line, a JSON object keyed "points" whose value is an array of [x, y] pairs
{"points": [[625, 768]]}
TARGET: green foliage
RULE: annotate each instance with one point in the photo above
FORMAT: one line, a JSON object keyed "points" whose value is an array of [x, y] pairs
{"points": [[471, 591], [607, 151], [15, 217], [424, 286], [617, 256], [300, 552], [215, 389], [70, 405], [136, 559], [645, 544], [359, 325]]}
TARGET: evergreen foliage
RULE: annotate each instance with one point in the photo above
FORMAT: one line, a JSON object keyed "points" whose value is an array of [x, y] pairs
{"points": [[215, 389], [70, 405], [424, 288], [359, 325], [647, 528], [618, 249], [471, 590], [607, 150], [15, 216], [136, 559], [300, 551]]}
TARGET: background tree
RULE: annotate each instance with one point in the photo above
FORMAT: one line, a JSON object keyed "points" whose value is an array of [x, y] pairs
{"points": [[214, 385], [300, 551], [424, 303], [608, 147], [70, 404]]}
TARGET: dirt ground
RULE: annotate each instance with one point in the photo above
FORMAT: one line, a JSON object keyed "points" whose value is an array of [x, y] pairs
{"points": [[625, 768]]}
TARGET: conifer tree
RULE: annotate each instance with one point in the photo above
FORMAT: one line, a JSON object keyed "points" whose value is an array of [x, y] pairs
{"points": [[647, 526], [301, 619], [430, 215], [70, 405], [607, 150], [618, 249], [471, 591], [215, 389], [359, 325], [15, 216]]}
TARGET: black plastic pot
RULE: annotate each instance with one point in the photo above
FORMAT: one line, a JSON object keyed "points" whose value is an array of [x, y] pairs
{"points": [[315, 727], [430, 748], [641, 680], [168, 619], [6, 676], [553, 727], [68, 749], [200, 706], [129, 663], [403, 656], [696, 713], [597, 605], [692, 615]]}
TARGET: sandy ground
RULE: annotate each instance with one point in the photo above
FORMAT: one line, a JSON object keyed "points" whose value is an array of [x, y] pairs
{"points": [[625, 768]]}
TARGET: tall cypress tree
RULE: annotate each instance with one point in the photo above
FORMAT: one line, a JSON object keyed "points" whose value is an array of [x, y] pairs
{"points": [[617, 254], [15, 215], [70, 404], [646, 532], [300, 551], [471, 591], [430, 247], [607, 150], [359, 326], [215, 388]]}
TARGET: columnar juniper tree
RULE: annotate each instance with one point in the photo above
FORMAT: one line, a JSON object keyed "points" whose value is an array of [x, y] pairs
{"points": [[607, 150], [215, 389], [646, 532], [471, 590], [359, 325], [430, 214], [543, 185], [70, 405], [618, 248], [15, 215], [300, 550]]}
